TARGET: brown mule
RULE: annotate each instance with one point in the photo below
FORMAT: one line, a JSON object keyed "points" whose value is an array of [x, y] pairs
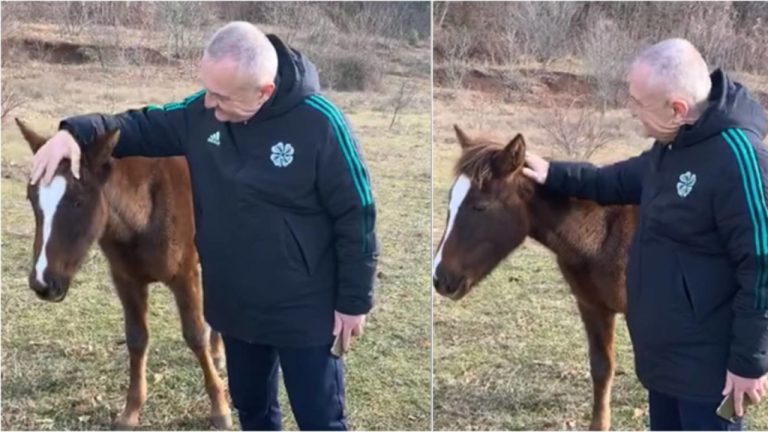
{"points": [[493, 208], [140, 211]]}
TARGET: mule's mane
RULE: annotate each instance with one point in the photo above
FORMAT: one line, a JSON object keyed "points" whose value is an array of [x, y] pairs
{"points": [[476, 161]]}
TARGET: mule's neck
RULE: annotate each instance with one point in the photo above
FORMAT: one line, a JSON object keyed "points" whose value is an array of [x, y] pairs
{"points": [[128, 202], [572, 229]]}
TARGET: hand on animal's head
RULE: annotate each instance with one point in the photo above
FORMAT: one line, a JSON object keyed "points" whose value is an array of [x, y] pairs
{"points": [[536, 168], [48, 153]]}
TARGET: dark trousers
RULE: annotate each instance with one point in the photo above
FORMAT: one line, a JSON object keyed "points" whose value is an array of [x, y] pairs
{"points": [[670, 413], [313, 378]]}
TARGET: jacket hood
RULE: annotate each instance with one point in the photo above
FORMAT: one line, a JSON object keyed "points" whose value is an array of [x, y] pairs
{"points": [[296, 79], [730, 106]]}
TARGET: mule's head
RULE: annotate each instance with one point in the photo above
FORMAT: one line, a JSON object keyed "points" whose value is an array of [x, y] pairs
{"points": [[487, 213], [70, 215]]}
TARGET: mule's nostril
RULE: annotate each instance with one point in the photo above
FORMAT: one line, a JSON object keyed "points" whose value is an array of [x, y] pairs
{"points": [[449, 285], [37, 286]]}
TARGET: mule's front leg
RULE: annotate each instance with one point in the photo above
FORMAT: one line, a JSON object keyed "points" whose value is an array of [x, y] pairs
{"points": [[216, 346], [599, 324], [134, 299], [189, 299]]}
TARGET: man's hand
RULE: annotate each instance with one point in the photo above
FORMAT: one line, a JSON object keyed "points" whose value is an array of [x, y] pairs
{"points": [[754, 388], [47, 159], [536, 168], [348, 326]]}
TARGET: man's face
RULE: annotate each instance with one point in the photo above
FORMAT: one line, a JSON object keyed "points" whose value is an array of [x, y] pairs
{"points": [[651, 106], [232, 97]]}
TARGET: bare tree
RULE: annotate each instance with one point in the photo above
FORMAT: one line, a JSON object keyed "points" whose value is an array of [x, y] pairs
{"points": [[577, 131], [183, 22], [607, 50], [543, 28], [440, 12], [456, 45], [11, 100], [402, 99]]}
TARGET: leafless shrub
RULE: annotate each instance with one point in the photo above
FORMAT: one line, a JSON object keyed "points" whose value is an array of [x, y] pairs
{"points": [[183, 23], [607, 50], [541, 29], [11, 100], [440, 11], [733, 35], [402, 99], [456, 44], [576, 131], [351, 72]]}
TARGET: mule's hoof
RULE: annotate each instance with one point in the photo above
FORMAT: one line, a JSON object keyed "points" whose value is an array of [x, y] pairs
{"points": [[222, 422], [125, 424]]}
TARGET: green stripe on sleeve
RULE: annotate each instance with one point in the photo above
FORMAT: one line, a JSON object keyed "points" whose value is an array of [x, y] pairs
{"points": [[752, 190], [177, 105], [336, 115], [343, 139], [760, 210]]}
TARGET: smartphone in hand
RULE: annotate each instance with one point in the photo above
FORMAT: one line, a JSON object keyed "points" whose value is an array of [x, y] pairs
{"points": [[727, 411], [336, 349]]}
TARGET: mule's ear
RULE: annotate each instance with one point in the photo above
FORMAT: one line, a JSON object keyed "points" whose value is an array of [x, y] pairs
{"points": [[34, 140], [100, 151], [464, 140], [511, 158]]}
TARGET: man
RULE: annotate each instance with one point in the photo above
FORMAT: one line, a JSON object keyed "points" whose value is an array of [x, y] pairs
{"points": [[697, 275], [283, 211]]}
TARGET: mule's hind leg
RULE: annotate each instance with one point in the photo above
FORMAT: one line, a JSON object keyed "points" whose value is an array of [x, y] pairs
{"points": [[216, 345], [133, 296], [188, 296], [599, 324]]}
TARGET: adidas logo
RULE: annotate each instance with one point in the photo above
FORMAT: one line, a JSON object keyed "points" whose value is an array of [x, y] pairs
{"points": [[214, 138]]}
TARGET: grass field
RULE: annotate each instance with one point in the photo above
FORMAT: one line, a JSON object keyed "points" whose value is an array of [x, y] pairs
{"points": [[63, 365], [513, 354]]}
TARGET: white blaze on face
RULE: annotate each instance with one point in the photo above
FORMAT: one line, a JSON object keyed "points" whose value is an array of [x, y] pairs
{"points": [[49, 197], [458, 194]]}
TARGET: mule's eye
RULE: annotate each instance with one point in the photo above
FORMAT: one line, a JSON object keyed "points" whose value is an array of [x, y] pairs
{"points": [[480, 206]]}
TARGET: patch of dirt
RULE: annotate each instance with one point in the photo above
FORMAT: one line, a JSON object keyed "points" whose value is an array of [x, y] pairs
{"points": [[527, 85], [15, 171], [536, 86], [58, 52]]}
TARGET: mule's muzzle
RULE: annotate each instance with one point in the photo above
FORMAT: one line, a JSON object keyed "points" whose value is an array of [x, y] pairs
{"points": [[450, 285], [54, 288]]}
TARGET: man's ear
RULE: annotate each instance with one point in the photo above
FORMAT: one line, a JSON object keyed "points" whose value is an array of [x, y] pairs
{"points": [[681, 109]]}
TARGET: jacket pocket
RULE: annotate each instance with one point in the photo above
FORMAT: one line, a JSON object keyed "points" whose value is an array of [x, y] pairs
{"points": [[686, 289], [295, 252], [710, 285]]}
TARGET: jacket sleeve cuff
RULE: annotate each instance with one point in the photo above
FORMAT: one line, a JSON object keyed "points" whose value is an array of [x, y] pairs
{"points": [[353, 305], [556, 175], [755, 368], [67, 125]]}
